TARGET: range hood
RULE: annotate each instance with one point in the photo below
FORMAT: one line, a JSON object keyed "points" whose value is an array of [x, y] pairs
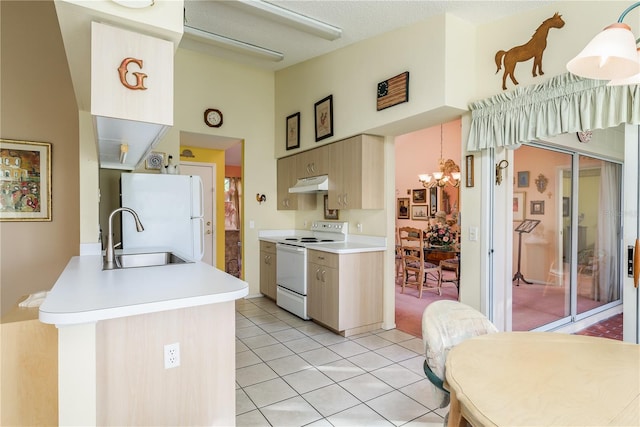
{"points": [[311, 185]]}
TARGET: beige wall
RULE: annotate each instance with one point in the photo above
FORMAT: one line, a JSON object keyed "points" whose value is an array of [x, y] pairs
{"points": [[38, 104]]}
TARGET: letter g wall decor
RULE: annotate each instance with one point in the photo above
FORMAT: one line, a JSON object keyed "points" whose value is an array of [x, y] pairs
{"points": [[122, 71]]}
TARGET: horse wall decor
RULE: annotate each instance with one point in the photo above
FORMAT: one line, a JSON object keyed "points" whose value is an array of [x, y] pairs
{"points": [[532, 49]]}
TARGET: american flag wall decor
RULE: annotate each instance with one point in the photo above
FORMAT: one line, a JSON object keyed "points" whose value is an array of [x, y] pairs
{"points": [[393, 91]]}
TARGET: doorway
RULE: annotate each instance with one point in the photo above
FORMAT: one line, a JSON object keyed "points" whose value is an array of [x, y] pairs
{"points": [[206, 172], [567, 235]]}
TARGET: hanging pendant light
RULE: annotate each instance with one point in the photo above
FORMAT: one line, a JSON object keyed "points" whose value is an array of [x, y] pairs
{"points": [[448, 173]]}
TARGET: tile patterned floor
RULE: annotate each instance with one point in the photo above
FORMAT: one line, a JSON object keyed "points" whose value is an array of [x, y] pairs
{"points": [[291, 372], [608, 328]]}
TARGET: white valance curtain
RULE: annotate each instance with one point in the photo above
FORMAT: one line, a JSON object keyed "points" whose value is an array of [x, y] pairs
{"points": [[563, 104]]}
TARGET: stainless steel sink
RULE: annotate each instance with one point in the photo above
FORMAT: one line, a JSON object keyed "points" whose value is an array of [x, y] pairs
{"points": [[150, 259]]}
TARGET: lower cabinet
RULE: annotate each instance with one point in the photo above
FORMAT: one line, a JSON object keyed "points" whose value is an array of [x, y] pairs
{"points": [[345, 290], [268, 269]]}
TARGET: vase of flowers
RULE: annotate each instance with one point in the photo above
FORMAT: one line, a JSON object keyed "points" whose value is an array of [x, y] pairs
{"points": [[440, 235]]}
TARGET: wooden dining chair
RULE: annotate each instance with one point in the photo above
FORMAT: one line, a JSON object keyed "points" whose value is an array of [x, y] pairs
{"points": [[416, 271]]}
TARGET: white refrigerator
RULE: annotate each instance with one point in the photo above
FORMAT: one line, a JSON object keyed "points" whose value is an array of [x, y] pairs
{"points": [[171, 210]]}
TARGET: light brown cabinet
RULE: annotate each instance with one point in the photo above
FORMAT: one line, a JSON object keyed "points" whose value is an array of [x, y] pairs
{"points": [[268, 269], [287, 177], [345, 290], [356, 173], [313, 162]]}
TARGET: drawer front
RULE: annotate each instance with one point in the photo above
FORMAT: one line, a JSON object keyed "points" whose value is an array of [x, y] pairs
{"points": [[323, 258], [267, 246]]}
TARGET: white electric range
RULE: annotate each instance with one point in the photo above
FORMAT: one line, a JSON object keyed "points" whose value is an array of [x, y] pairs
{"points": [[291, 266]]}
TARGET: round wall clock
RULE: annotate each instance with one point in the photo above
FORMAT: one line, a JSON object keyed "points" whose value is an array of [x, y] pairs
{"points": [[213, 118]]}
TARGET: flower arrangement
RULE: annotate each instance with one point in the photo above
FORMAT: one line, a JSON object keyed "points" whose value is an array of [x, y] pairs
{"points": [[440, 235]]}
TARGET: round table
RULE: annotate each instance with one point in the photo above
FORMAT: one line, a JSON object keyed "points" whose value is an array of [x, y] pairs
{"points": [[543, 379]]}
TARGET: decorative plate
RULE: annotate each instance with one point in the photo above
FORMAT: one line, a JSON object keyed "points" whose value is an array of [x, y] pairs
{"points": [[584, 136]]}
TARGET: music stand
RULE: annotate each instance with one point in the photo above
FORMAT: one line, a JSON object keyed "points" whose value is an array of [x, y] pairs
{"points": [[525, 226]]}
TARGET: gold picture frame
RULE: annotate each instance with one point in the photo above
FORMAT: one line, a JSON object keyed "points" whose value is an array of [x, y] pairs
{"points": [[402, 210], [25, 187]]}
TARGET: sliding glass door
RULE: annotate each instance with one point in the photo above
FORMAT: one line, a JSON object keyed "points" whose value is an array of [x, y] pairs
{"points": [[566, 237]]}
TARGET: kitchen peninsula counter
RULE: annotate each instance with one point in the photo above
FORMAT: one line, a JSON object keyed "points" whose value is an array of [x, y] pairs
{"points": [[114, 327], [85, 293]]}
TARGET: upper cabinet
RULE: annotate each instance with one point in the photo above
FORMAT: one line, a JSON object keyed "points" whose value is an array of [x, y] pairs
{"points": [[355, 169], [356, 173], [131, 93], [122, 75], [287, 177]]}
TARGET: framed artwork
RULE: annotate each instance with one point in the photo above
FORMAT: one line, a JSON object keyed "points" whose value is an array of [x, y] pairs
{"points": [[402, 209], [329, 213], [155, 160], [25, 184], [518, 206], [293, 131], [393, 91], [433, 201], [523, 179], [537, 207], [470, 170], [420, 212], [324, 118], [566, 206], [420, 196]]}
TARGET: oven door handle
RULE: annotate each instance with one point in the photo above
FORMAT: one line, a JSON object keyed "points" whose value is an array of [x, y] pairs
{"points": [[288, 248]]}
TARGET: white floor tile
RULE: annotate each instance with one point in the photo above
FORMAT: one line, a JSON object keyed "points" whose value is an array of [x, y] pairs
{"points": [[423, 392], [269, 392], [341, 370], [395, 335], [303, 344], [416, 345], [288, 365], [329, 338], [397, 376], [287, 335], [373, 342], [252, 419], [271, 352], [397, 408], [243, 403], [428, 420], [370, 361], [259, 341], [366, 387], [276, 326], [250, 331], [246, 358], [358, 416], [263, 318], [291, 412], [395, 352], [254, 374], [320, 356], [347, 349], [311, 329], [330, 400], [307, 380]]}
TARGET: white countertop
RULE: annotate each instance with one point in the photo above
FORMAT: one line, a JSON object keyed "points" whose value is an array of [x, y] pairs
{"points": [[346, 247], [355, 243], [85, 293]]}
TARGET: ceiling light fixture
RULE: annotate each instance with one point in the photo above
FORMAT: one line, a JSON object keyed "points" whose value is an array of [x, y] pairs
{"points": [[232, 44], [449, 172], [290, 18], [610, 55], [124, 149]]}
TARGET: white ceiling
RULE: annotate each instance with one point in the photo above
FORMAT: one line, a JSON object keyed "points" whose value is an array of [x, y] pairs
{"points": [[358, 19]]}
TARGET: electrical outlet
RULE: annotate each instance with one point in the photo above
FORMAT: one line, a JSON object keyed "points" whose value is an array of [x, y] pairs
{"points": [[171, 355]]}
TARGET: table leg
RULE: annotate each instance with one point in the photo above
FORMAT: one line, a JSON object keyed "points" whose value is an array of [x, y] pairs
{"points": [[455, 412]]}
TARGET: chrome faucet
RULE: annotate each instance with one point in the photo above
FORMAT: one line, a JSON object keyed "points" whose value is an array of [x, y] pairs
{"points": [[109, 262]]}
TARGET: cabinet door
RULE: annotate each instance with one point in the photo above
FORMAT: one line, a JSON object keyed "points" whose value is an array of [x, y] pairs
{"points": [[268, 274], [314, 291], [330, 297], [287, 177], [313, 162]]}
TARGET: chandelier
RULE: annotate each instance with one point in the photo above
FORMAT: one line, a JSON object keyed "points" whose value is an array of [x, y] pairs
{"points": [[449, 173]]}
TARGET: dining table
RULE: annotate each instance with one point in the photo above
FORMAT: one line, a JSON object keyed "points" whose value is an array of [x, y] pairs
{"points": [[543, 379]]}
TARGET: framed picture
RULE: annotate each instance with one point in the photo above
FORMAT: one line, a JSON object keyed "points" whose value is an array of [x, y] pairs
{"points": [[420, 196], [523, 179], [324, 118], [537, 207], [518, 206], [433, 201], [420, 212], [402, 209], [293, 131], [329, 213], [25, 187], [155, 160], [470, 170], [566, 206]]}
